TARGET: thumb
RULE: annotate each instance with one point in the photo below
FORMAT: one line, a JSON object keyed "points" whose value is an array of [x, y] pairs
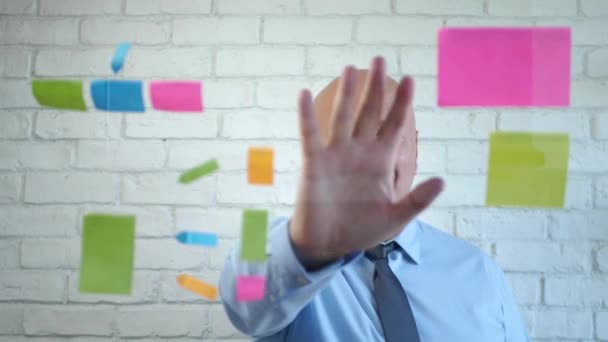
{"points": [[417, 200]]}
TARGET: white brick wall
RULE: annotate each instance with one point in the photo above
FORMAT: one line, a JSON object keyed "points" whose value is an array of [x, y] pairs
{"points": [[253, 57]]}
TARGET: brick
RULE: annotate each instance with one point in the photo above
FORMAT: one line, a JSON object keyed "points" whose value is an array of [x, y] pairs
{"points": [[460, 191], [583, 157], [231, 155], [537, 256], [593, 8], [33, 155], [17, 6], [77, 7], [10, 188], [163, 188], [426, 90], [9, 254], [431, 158], [331, 61], [168, 6], [58, 125], [72, 187], [279, 94], [526, 288], [221, 325], [50, 253], [142, 321], [225, 222], [348, 7], [184, 63], [579, 57], [559, 323], [214, 30], [39, 31], [167, 125], [174, 255], [260, 61], [601, 323], [15, 124], [172, 292], [436, 7], [252, 124], [579, 225], [114, 31], [40, 286], [265, 7], [145, 287], [16, 94], [151, 221], [467, 157], [12, 319], [228, 94], [533, 8], [419, 61], [576, 291], [121, 155], [438, 218], [59, 320], [14, 62], [496, 224], [601, 192], [600, 127], [390, 30], [37, 221], [579, 193], [234, 189], [488, 22], [576, 124], [307, 30], [602, 259], [584, 30], [596, 63], [72, 62], [455, 124]]}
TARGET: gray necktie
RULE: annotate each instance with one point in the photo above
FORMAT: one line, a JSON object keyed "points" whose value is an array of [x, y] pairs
{"points": [[391, 301]]}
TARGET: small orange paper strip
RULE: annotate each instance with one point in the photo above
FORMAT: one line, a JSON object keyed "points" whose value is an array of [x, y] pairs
{"points": [[260, 165], [195, 285]]}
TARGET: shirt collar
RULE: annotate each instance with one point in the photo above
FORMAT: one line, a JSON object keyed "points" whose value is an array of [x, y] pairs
{"points": [[409, 241]]}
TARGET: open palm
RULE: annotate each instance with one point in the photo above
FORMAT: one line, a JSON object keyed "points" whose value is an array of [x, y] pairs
{"points": [[347, 200]]}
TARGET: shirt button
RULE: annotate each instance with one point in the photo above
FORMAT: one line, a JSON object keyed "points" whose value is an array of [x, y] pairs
{"points": [[302, 280], [272, 298], [393, 256]]}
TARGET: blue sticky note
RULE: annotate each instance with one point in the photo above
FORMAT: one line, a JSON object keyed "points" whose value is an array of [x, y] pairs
{"points": [[117, 95], [197, 238], [119, 56]]}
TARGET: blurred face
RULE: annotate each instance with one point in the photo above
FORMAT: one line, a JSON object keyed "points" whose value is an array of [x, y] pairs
{"points": [[406, 164]]}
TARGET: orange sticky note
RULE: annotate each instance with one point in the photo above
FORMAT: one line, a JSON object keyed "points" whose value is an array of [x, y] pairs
{"points": [[260, 165], [197, 286]]}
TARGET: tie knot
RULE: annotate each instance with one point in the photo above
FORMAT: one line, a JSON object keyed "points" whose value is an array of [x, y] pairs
{"points": [[380, 251]]}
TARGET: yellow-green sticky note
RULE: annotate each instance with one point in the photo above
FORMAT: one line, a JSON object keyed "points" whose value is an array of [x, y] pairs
{"points": [[199, 171], [63, 94], [253, 235], [528, 169], [108, 243]]}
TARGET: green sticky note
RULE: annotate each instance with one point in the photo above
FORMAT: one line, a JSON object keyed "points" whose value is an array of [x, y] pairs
{"points": [[199, 171], [107, 254], [63, 94], [528, 169], [253, 235]]}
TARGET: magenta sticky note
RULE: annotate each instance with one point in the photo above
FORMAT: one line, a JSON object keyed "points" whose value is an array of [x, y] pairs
{"points": [[250, 288], [176, 96], [504, 67]]}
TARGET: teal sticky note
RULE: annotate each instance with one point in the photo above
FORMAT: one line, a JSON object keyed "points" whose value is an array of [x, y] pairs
{"points": [[108, 243], [253, 235]]}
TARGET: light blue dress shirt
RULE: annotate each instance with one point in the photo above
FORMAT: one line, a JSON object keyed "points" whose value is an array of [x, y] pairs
{"points": [[457, 293]]}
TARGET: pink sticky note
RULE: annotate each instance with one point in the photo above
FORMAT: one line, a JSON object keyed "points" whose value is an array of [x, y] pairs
{"points": [[177, 96], [504, 67], [250, 288]]}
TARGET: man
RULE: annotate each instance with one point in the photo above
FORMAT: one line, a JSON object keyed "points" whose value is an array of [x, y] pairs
{"points": [[353, 263]]}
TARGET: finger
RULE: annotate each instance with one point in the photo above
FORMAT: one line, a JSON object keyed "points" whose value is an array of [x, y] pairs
{"points": [[417, 200], [343, 107], [391, 128], [309, 131], [370, 113]]}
